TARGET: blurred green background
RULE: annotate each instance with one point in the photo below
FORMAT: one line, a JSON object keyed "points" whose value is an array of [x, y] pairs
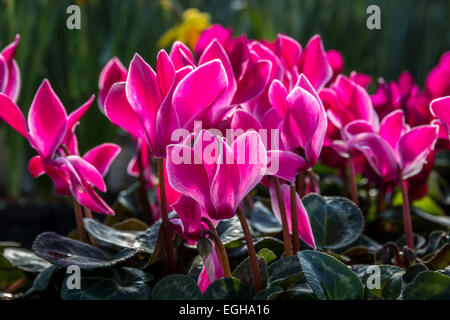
{"points": [[413, 35]]}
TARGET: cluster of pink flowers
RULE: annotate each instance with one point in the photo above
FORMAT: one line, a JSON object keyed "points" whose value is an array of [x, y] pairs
{"points": [[246, 85]]}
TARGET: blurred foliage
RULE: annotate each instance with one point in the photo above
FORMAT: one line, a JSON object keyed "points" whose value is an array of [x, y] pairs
{"points": [[413, 35]]}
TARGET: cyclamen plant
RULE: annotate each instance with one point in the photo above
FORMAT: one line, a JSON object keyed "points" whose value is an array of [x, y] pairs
{"points": [[232, 140]]}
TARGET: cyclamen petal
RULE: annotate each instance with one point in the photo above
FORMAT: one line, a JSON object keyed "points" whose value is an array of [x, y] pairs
{"points": [[87, 171], [440, 108], [414, 148], [119, 111], [102, 156], [112, 73], [392, 127], [47, 121], [190, 213], [12, 115], [36, 166]]}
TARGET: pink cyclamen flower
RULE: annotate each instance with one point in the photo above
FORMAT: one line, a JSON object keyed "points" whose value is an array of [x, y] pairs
{"points": [[216, 175], [9, 71], [113, 72], [52, 134], [151, 105], [440, 108], [437, 83], [396, 152]]}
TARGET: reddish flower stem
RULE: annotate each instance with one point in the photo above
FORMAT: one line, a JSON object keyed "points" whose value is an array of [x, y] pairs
{"points": [[170, 263], [88, 214], [221, 251], [353, 186], [407, 216], [284, 223], [145, 205], [79, 221], [301, 184], [251, 250], [295, 239]]}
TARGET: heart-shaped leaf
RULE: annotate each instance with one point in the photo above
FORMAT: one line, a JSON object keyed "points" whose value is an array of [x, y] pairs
{"points": [[329, 278], [282, 269], [384, 281], [64, 252], [263, 220], [230, 231], [428, 285], [335, 222], [109, 284], [26, 260], [243, 272], [121, 239], [226, 289], [176, 287]]}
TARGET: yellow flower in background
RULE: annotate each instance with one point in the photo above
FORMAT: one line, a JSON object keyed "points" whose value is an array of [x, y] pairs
{"points": [[188, 31]]}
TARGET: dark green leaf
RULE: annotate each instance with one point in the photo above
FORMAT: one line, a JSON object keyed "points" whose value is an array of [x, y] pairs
{"points": [[264, 294], [390, 281], [26, 260], [335, 222], [109, 284], [274, 244], [43, 279], [329, 278], [263, 220], [282, 269], [441, 259], [230, 230], [428, 285], [226, 289], [243, 272], [413, 271], [64, 252], [176, 287], [267, 254], [121, 239]]}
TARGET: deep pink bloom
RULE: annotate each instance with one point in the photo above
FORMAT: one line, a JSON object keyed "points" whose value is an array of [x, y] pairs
{"points": [[9, 71], [151, 105], [437, 83], [112, 73], [336, 62], [396, 151], [216, 175], [52, 134], [304, 226], [440, 108]]}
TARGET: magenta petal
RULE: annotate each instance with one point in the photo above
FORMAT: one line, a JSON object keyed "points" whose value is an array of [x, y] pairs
{"points": [[59, 178], [143, 94], [12, 115], [4, 73], [165, 71], [245, 121], [289, 49], [188, 177], [440, 108], [305, 109], [47, 121], [336, 62], [414, 148], [354, 128], [211, 80], [223, 35], [10, 50], [378, 153], [253, 82], [70, 140], [203, 280], [277, 97], [119, 111], [87, 172], [284, 164], [227, 183], [392, 127], [314, 64], [304, 226], [14, 81], [36, 166], [251, 157], [181, 56], [112, 73], [102, 156], [190, 213], [215, 51]]}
